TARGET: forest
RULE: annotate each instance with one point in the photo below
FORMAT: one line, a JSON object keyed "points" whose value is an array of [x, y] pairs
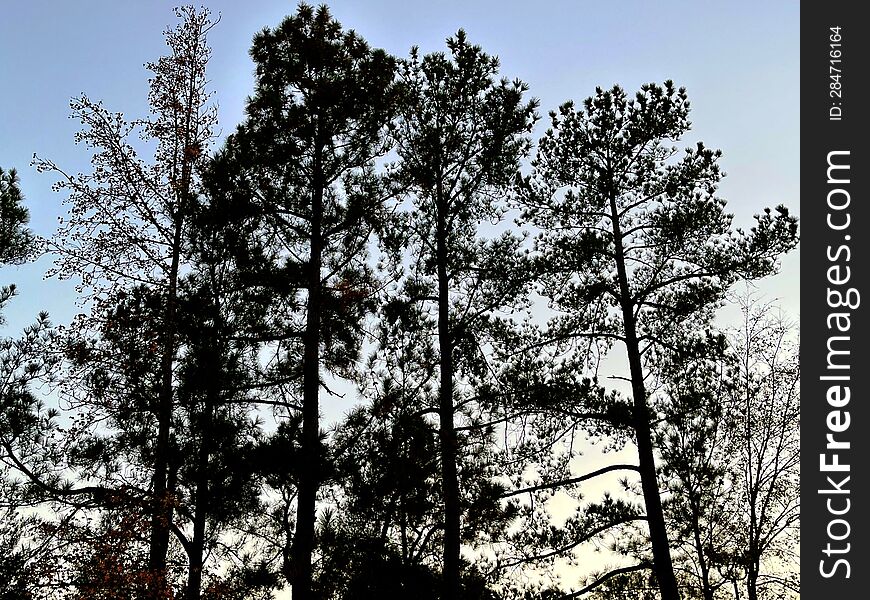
{"points": [[542, 400]]}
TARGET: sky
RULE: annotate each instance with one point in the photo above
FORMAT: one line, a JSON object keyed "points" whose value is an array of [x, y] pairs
{"points": [[738, 60]]}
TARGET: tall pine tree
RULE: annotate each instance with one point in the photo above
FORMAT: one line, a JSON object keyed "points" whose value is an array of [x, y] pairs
{"points": [[461, 136], [637, 247], [298, 176]]}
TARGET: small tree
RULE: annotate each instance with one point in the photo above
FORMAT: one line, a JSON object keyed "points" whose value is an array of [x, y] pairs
{"points": [[389, 509], [697, 464], [383, 537], [730, 452], [635, 242], [764, 416]]}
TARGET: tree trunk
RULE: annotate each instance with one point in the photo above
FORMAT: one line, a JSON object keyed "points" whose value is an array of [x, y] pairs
{"points": [[164, 486], [197, 541], [447, 431], [752, 581], [706, 586], [196, 551], [309, 476], [162, 511], [663, 565], [752, 552]]}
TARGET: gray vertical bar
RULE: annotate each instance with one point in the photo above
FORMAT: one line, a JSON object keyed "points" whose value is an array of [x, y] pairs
{"points": [[835, 424]]}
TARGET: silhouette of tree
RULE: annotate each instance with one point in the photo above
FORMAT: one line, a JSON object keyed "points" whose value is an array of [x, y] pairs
{"points": [[697, 466], [125, 235], [222, 289], [763, 412], [729, 449], [460, 138], [21, 362], [383, 536], [112, 378], [388, 511], [217, 482], [299, 173], [634, 242]]}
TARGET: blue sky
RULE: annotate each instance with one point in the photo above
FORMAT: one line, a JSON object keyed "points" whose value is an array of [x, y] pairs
{"points": [[739, 61]]}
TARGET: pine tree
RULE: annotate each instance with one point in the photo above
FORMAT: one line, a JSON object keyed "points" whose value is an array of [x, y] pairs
{"points": [[694, 380], [388, 516], [635, 242], [298, 175], [22, 362], [460, 139]]}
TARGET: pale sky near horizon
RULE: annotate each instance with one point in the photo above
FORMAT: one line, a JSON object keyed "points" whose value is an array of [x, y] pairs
{"points": [[739, 61]]}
